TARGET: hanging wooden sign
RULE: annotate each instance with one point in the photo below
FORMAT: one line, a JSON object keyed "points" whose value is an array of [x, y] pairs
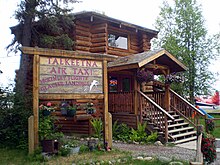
{"points": [[70, 75]]}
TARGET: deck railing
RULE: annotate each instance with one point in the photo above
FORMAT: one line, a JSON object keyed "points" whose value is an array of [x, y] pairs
{"points": [[150, 110], [185, 109], [121, 102], [157, 97]]}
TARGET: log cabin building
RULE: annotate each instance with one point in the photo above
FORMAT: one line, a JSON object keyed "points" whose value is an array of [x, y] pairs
{"points": [[129, 100]]}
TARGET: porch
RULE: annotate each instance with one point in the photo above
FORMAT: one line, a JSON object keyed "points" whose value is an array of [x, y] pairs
{"points": [[132, 101]]}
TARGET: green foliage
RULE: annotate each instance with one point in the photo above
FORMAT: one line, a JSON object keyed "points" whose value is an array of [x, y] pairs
{"points": [[43, 23], [123, 133], [13, 118], [98, 127], [140, 134], [186, 37], [83, 148], [47, 130], [152, 137]]}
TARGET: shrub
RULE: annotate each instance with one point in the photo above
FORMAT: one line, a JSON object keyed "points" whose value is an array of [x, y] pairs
{"points": [[14, 115], [98, 127], [208, 148]]}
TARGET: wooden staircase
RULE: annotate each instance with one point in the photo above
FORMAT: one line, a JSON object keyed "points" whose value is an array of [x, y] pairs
{"points": [[179, 130], [175, 126]]}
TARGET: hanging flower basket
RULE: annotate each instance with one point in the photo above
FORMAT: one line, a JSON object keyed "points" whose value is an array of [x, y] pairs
{"points": [[173, 78], [144, 75]]}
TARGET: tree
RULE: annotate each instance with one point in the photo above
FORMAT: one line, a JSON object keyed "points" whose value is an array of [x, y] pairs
{"points": [[43, 23], [182, 33]]}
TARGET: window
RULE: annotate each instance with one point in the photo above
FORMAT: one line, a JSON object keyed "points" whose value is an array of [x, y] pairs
{"points": [[118, 40], [113, 84], [126, 85]]}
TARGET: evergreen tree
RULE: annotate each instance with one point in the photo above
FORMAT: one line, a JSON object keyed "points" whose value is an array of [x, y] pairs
{"points": [[182, 33]]}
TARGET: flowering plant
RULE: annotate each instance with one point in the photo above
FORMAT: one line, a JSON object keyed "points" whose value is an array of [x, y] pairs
{"points": [[144, 75], [46, 109], [90, 109], [172, 78], [210, 125], [208, 148]]}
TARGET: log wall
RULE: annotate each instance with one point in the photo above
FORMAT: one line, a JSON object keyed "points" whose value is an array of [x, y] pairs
{"points": [[93, 37], [80, 123], [130, 119]]}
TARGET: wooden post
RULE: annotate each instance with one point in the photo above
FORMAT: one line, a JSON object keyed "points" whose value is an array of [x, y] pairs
{"points": [[135, 96], [167, 97], [110, 130], [31, 134], [36, 98], [166, 129], [105, 86]]}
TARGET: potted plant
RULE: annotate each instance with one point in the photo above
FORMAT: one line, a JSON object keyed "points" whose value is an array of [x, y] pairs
{"points": [[90, 109], [71, 110], [173, 78], [144, 75], [63, 108], [48, 134], [46, 109]]}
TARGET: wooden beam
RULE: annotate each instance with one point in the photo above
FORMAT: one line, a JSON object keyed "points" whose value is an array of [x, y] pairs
{"points": [[36, 98], [105, 86], [54, 96], [135, 95], [66, 53]]}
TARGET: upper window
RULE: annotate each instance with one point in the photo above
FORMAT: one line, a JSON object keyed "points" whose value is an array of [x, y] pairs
{"points": [[118, 40]]}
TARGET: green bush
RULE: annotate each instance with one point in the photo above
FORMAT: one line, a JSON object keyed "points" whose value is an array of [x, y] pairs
{"points": [[140, 134], [14, 115], [98, 128]]}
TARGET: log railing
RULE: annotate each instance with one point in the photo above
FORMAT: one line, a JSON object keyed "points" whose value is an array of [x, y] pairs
{"points": [[185, 109], [156, 114], [121, 102]]}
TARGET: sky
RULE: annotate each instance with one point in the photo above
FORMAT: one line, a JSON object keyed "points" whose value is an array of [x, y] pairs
{"points": [[139, 12]]}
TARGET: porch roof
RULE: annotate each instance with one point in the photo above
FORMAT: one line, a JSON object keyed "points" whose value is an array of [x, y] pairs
{"points": [[161, 57]]}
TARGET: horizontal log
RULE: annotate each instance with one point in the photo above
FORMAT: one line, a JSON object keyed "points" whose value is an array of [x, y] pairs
{"points": [[82, 24], [81, 38], [98, 35], [99, 30], [98, 44], [83, 43], [83, 117], [135, 48], [82, 48], [98, 40], [98, 49], [120, 53], [82, 29], [82, 33], [100, 25], [114, 29]]}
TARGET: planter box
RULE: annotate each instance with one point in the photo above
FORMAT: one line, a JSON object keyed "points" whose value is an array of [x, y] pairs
{"points": [[50, 146]]}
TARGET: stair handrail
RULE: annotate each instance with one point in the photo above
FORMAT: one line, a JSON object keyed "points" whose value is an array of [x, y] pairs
{"points": [[155, 104], [192, 106]]}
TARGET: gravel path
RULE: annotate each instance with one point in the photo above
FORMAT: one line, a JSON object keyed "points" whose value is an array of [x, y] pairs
{"points": [[170, 152]]}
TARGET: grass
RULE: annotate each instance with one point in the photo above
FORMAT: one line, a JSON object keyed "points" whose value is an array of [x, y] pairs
{"points": [[216, 132], [19, 157], [15, 157]]}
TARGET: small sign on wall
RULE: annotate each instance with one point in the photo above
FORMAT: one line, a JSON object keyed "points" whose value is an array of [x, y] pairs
{"points": [[70, 75]]}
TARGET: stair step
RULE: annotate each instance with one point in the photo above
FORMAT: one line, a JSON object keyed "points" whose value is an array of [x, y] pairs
{"points": [[181, 129], [177, 125], [185, 140], [184, 134]]}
